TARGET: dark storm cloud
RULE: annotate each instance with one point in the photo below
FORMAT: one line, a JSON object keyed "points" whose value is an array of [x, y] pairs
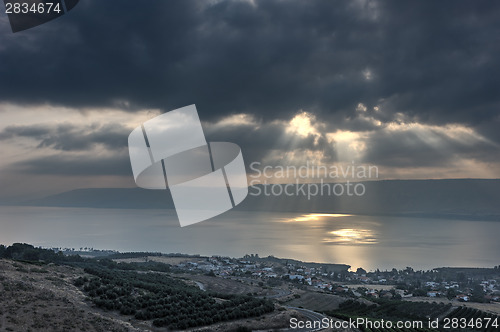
{"points": [[435, 61], [69, 137]]}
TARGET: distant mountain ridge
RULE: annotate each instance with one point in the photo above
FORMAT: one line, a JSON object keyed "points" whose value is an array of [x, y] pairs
{"points": [[459, 198], [111, 198]]}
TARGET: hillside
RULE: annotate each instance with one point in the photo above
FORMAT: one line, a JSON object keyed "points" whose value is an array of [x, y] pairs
{"points": [[460, 198], [37, 297], [34, 298]]}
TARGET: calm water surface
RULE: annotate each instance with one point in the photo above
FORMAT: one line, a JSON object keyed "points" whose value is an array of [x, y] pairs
{"points": [[360, 241]]}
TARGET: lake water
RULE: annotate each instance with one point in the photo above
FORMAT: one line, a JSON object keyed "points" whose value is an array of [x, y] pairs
{"points": [[359, 241]]}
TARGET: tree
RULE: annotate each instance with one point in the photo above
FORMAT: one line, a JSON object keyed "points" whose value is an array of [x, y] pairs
{"points": [[419, 292], [451, 294], [477, 293]]}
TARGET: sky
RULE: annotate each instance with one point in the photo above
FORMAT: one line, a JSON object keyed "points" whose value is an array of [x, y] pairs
{"points": [[411, 87]]}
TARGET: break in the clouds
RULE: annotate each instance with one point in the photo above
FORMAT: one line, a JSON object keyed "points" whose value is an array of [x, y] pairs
{"points": [[409, 86]]}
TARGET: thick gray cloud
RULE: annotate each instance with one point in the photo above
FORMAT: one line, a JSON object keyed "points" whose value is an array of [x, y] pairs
{"points": [[426, 63], [435, 61], [69, 137], [426, 148]]}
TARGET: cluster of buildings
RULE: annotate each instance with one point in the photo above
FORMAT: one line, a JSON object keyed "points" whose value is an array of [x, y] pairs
{"points": [[406, 283], [486, 290]]}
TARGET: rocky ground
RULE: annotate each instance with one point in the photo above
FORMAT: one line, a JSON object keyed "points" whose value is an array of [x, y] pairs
{"points": [[43, 298]]}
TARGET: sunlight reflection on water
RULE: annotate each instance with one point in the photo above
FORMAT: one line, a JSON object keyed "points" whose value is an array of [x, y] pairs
{"points": [[361, 241], [315, 217], [352, 236]]}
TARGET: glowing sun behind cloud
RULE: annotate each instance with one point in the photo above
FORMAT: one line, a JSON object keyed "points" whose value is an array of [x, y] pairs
{"points": [[301, 125]]}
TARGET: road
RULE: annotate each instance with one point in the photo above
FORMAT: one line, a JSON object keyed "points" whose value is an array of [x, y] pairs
{"points": [[311, 316]]}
